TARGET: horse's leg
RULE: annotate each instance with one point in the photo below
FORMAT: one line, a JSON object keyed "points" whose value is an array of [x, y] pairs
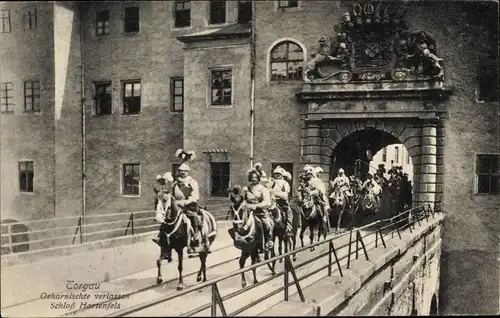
{"points": [[203, 267], [243, 259], [293, 244], [280, 247], [254, 258], [180, 256], [341, 212], [302, 230], [311, 235]]}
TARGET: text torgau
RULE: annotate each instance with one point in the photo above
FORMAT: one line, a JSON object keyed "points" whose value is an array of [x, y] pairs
{"points": [[71, 284]]}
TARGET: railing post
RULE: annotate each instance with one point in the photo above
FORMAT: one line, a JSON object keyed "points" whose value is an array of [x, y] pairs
{"points": [[286, 279], [80, 227], [330, 250], [217, 300], [295, 279], [376, 238], [349, 251], [132, 222], [357, 245], [382, 237], [336, 259], [360, 238]]}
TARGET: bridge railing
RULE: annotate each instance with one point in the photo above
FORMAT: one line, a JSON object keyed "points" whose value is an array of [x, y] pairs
{"points": [[38, 235], [382, 230]]}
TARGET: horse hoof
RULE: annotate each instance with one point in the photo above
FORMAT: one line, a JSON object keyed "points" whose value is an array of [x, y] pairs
{"points": [[281, 260], [159, 280], [198, 278], [294, 258], [243, 284], [180, 287], [312, 249], [255, 281]]}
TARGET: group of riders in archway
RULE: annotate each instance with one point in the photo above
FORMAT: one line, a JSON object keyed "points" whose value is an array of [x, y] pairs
{"points": [[261, 211]]}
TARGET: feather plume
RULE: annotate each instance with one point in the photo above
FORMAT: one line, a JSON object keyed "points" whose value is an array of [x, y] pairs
{"points": [[178, 153], [168, 177], [190, 156]]}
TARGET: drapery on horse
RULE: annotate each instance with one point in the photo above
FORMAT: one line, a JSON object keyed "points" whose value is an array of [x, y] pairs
{"points": [[338, 202], [368, 203], [311, 216], [289, 239], [247, 233], [175, 230]]}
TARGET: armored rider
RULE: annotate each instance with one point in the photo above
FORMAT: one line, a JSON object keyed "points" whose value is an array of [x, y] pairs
{"points": [[342, 182], [316, 179], [186, 195], [371, 185], [311, 187], [258, 199], [262, 173], [280, 189]]}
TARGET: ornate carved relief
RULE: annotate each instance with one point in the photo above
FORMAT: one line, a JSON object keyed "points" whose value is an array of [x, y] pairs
{"points": [[374, 43]]}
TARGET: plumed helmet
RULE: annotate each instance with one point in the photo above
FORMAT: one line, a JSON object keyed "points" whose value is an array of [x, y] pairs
{"points": [[183, 167], [258, 164], [158, 177], [341, 170], [322, 39], [168, 177], [279, 170], [287, 175], [318, 170]]}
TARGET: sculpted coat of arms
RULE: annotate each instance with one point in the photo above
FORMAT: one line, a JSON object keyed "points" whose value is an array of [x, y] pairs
{"points": [[374, 43]]}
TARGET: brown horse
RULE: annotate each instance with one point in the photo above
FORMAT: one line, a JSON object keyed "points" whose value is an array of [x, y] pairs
{"points": [[247, 233], [311, 219], [175, 231]]}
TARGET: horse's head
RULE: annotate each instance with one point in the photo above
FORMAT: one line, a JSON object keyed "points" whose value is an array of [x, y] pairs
{"points": [[235, 197]]}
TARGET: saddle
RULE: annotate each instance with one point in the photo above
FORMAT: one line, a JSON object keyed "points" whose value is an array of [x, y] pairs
{"points": [[246, 239]]}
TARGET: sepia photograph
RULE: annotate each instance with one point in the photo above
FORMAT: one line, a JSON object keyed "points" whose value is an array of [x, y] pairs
{"points": [[219, 158]]}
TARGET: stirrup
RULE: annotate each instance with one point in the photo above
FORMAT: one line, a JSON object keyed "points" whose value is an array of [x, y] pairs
{"points": [[269, 245]]}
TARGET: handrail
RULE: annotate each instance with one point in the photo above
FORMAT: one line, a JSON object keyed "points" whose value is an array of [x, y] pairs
{"points": [[213, 282]]}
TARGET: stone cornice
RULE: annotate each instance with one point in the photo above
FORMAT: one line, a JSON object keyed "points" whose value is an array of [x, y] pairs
{"points": [[322, 91]]}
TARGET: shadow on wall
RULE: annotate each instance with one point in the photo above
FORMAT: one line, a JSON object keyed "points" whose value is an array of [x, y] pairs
{"points": [[13, 238], [433, 311]]}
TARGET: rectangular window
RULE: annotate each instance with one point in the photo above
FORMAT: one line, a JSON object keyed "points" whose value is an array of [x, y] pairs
{"points": [[5, 21], [488, 174], [396, 154], [244, 11], [177, 94], [32, 96], [384, 154], [29, 19], [220, 177], [103, 98], [288, 4], [182, 13], [175, 167], [487, 86], [132, 98], [7, 97], [131, 178], [102, 22], [288, 166], [217, 11], [221, 89], [131, 20], [26, 176]]}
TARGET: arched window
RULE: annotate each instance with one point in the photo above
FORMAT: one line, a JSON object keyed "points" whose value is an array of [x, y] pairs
{"points": [[287, 59]]}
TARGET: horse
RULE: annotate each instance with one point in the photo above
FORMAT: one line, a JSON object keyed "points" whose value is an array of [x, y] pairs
{"points": [[368, 203], [339, 205], [176, 230], [290, 240], [247, 233], [311, 218]]}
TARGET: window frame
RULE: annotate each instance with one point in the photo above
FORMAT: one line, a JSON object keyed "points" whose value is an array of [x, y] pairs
{"points": [[181, 11], [396, 154], [4, 19], [123, 182], [287, 60], [98, 84], [222, 193], [476, 174], [30, 13], [287, 6], [481, 77], [123, 84], [127, 19], [5, 97], [100, 18], [173, 95], [32, 96], [384, 154], [26, 182], [211, 86], [210, 14], [240, 12]]}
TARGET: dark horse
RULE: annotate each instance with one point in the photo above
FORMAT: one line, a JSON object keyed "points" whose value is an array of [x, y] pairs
{"points": [[311, 218], [175, 230], [339, 205], [289, 239], [247, 233]]}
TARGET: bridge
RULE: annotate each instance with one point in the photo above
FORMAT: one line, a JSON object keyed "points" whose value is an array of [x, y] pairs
{"points": [[388, 267]]}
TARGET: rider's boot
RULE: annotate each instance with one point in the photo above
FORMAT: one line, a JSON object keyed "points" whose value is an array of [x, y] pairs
{"points": [[156, 240]]}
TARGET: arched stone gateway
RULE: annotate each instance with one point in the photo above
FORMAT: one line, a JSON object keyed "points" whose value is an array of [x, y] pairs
{"points": [[376, 92], [420, 138]]}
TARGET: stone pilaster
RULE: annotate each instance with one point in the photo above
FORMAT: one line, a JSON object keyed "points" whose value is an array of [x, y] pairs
{"points": [[428, 164]]}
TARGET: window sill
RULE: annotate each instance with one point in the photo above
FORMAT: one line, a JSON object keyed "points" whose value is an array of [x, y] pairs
{"points": [[7, 112], [291, 82], [220, 106], [176, 113], [217, 25], [185, 28], [486, 194], [26, 193], [37, 113], [288, 9], [132, 115], [132, 34], [131, 195], [103, 115]]}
